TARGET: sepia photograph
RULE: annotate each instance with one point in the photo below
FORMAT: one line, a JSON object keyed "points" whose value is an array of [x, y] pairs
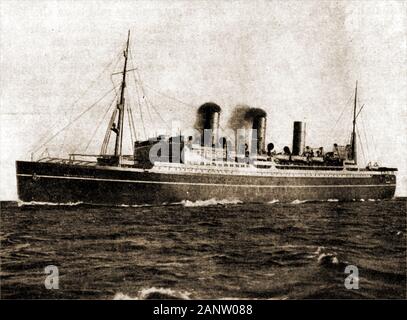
{"points": [[219, 151]]}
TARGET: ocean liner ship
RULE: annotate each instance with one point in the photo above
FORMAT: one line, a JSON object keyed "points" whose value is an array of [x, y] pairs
{"points": [[172, 169]]}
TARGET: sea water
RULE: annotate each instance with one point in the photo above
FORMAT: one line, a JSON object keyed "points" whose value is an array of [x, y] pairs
{"points": [[209, 249]]}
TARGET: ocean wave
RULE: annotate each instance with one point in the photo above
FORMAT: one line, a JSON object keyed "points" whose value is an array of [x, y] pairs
{"points": [[326, 257], [154, 293], [21, 246], [273, 201], [210, 202], [169, 294], [332, 200]]}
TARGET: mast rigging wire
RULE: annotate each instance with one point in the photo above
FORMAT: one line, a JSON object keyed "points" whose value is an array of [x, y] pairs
{"points": [[139, 107], [118, 58], [106, 140], [46, 134], [334, 132], [144, 96], [73, 121], [132, 122], [366, 141], [372, 139], [169, 97], [100, 123], [149, 102], [130, 128], [361, 144], [91, 85]]}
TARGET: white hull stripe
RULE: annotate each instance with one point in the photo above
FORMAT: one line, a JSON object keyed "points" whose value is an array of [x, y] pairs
{"points": [[211, 184]]}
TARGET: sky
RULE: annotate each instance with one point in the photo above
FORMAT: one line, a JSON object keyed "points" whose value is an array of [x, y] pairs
{"points": [[298, 60]]}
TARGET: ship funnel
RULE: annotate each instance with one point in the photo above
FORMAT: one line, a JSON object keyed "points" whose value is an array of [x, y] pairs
{"points": [[208, 123], [259, 117], [298, 138]]}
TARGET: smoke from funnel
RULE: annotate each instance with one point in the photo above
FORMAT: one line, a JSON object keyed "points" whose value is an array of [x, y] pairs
{"points": [[254, 113], [238, 118], [207, 123], [245, 117]]}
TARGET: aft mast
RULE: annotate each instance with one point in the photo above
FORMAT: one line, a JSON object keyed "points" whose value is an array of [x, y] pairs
{"points": [[354, 152]]}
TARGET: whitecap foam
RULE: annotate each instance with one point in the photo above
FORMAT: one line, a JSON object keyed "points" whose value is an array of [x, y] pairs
{"points": [[327, 258], [332, 200], [319, 250], [273, 201], [210, 202], [297, 201], [41, 203], [122, 296], [154, 293], [135, 205]]}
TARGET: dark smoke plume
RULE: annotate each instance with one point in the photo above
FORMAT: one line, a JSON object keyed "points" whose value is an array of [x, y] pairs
{"points": [[243, 115], [254, 113], [238, 117], [203, 112]]}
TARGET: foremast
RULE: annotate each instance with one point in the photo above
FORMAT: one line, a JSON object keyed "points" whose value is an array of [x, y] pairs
{"points": [[115, 159], [121, 106]]}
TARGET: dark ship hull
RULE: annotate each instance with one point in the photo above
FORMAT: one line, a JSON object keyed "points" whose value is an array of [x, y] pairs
{"points": [[68, 183]]}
